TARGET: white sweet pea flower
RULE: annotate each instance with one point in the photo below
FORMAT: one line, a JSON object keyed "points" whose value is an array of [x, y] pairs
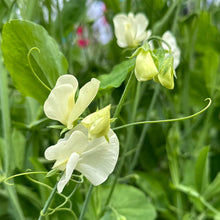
{"points": [[130, 30], [171, 40], [95, 159], [60, 104]]}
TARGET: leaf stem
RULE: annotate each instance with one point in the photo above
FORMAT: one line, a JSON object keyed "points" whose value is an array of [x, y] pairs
{"points": [[88, 196]]}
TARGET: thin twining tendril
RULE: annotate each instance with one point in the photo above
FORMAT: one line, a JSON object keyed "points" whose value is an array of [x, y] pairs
{"points": [[32, 69], [22, 174], [167, 120], [78, 179]]}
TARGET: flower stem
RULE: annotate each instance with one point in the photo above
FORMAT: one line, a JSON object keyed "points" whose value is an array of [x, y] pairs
{"points": [[88, 196], [143, 133], [48, 202], [123, 97]]}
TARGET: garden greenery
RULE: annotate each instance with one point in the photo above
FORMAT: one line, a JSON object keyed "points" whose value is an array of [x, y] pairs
{"points": [[103, 113]]}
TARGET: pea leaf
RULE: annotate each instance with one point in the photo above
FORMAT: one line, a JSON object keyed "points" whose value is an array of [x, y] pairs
{"points": [[128, 203], [117, 75], [201, 169], [32, 57]]}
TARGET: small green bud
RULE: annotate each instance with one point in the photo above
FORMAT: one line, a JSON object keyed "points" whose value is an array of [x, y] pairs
{"points": [[145, 68], [166, 73], [98, 123]]}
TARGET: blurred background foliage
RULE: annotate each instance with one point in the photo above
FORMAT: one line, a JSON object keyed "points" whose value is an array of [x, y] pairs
{"points": [[174, 166]]}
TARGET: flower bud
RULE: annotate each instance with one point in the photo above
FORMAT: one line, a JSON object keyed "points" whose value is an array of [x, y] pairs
{"points": [[145, 68], [98, 123], [166, 74]]}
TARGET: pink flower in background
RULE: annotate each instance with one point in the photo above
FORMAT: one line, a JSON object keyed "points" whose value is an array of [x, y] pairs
{"points": [[82, 40]]}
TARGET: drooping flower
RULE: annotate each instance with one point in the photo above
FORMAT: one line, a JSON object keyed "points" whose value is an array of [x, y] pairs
{"points": [[171, 40], [61, 105], [145, 68], [166, 74], [98, 123], [130, 30], [95, 159]]}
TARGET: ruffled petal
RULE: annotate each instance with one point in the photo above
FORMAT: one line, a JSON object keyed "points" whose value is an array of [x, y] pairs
{"points": [[171, 40], [120, 21], [77, 141], [70, 166], [68, 79], [86, 94], [99, 159], [59, 103], [142, 23]]}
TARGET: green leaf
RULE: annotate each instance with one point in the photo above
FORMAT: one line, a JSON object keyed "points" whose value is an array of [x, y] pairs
{"points": [[32, 57], [201, 169], [128, 203], [213, 188], [117, 76], [151, 185], [18, 143]]}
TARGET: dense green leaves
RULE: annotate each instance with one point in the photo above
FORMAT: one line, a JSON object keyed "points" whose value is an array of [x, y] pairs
{"points": [[32, 58]]}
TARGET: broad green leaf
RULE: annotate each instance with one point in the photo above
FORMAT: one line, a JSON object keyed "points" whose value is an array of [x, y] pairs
{"points": [[128, 203], [32, 57], [213, 188], [201, 169], [117, 76], [151, 185]]}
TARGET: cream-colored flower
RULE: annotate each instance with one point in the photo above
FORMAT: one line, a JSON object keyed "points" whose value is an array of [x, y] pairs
{"points": [[171, 40], [98, 123], [95, 159], [60, 104], [130, 29], [145, 68]]}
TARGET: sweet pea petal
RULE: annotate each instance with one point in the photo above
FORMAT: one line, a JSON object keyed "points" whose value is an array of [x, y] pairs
{"points": [[61, 99], [77, 142], [99, 159], [86, 94], [142, 23], [70, 166], [119, 22], [59, 103], [68, 79]]}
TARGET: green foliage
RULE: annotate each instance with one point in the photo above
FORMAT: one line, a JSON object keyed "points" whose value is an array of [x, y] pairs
{"points": [[164, 171], [32, 58], [128, 203], [117, 76]]}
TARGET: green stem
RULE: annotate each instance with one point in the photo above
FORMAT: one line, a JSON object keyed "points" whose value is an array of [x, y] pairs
{"points": [[88, 196], [48, 202], [166, 120], [143, 133], [123, 97], [129, 140]]}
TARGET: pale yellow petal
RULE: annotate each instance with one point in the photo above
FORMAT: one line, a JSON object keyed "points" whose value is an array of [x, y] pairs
{"points": [[86, 94]]}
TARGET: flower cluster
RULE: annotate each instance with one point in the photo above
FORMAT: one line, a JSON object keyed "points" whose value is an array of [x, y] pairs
{"points": [[90, 147], [159, 64]]}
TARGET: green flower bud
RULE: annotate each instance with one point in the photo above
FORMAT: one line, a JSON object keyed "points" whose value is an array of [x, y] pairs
{"points": [[166, 73], [145, 68], [98, 123]]}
